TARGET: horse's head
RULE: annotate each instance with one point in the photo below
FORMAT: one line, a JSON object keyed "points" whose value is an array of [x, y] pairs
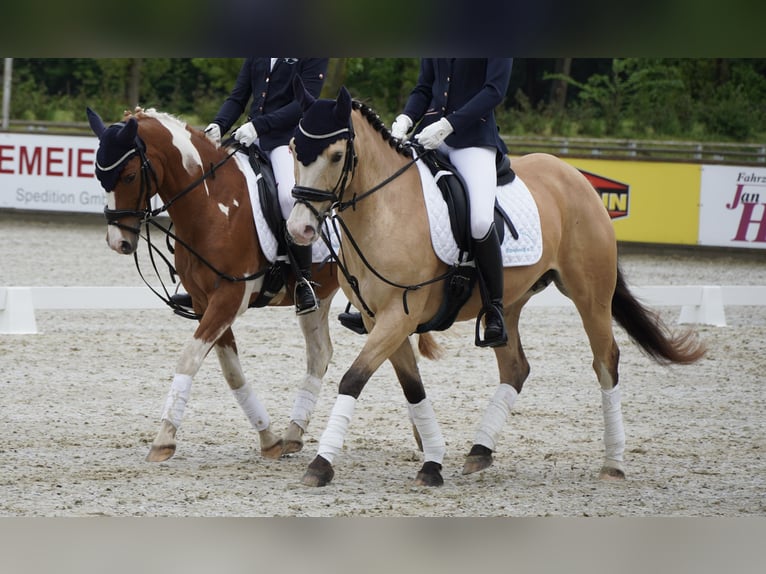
{"points": [[119, 158], [325, 160], [148, 153]]}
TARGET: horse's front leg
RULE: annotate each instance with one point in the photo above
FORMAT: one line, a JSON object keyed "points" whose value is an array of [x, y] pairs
{"points": [[316, 332], [228, 301], [384, 339], [226, 349], [164, 444]]}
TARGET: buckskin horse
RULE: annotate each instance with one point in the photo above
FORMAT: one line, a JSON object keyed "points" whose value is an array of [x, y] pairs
{"points": [[352, 172], [218, 257]]}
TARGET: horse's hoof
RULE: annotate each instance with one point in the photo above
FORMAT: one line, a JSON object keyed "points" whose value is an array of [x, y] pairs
{"points": [[293, 439], [291, 446], [274, 451], [160, 453], [430, 475], [611, 473], [479, 458], [319, 473]]}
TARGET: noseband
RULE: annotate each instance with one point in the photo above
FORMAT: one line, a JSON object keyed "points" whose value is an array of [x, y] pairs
{"points": [[307, 195], [114, 215]]}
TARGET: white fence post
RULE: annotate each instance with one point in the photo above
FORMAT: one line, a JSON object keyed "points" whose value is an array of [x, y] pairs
{"points": [[17, 311]]}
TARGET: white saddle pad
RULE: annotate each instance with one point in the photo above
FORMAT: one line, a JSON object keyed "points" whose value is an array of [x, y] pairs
{"points": [[265, 236], [517, 202]]}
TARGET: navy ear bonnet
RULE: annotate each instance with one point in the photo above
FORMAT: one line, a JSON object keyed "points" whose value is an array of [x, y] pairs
{"points": [[323, 122], [117, 144]]}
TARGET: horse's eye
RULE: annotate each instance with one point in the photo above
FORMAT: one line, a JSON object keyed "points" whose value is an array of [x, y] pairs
{"points": [[128, 178], [336, 157]]}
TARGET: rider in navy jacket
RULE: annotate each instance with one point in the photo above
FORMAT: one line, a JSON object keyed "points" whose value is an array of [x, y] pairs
{"points": [[273, 116], [274, 112], [454, 101], [468, 104]]}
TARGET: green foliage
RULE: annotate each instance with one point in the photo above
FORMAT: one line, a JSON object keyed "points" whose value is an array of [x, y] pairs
{"points": [[699, 99]]}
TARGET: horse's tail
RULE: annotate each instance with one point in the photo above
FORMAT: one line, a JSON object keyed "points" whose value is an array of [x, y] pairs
{"points": [[647, 329], [429, 348]]}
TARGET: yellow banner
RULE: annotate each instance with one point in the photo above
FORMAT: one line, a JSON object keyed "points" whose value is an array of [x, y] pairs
{"points": [[661, 199]]}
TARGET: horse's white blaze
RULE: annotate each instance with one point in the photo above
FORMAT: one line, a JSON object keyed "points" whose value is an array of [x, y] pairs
{"points": [[302, 225], [224, 209]]}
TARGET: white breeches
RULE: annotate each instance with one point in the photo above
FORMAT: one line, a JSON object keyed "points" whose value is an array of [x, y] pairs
{"points": [[477, 167]]}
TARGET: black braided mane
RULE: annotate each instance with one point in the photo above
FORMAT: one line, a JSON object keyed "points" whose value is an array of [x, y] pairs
{"points": [[377, 124]]}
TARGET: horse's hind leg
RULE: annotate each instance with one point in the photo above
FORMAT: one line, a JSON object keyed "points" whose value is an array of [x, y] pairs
{"points": [[226, 349], [316, 331], [513, 369], [596, 315]]}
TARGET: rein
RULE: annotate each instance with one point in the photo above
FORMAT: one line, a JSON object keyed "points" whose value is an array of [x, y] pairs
{"points": [[148, 215], [305, 195]]}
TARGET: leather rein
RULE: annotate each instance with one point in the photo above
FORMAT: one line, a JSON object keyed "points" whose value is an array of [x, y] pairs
{"points": [[147, 216], [336, 205]]}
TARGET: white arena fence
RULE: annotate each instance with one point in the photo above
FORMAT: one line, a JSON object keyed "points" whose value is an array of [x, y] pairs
{"points": [[701, 304]]}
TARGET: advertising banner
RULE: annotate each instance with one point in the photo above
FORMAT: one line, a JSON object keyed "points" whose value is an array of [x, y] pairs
{"points": [[649, 202], [49, 173], [733, 206]]}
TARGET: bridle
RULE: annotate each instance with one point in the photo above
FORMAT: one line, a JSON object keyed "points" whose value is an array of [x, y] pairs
{"points": [[336, 205], [147, 216]]}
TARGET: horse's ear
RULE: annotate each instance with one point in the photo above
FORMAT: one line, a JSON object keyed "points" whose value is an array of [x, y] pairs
{"points": [[343, 105], [128, 132], [95, 121], [305, 99]]}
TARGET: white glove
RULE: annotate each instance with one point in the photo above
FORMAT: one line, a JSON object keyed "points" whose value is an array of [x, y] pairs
{"points": [[433, 135], [402, 124], [213, 133], [246, 134]]}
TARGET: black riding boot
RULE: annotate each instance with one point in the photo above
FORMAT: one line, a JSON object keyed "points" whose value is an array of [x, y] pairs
{"points": [[490, 263], [304, 296]]}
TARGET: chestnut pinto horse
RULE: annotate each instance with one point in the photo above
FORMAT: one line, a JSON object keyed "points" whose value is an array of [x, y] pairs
{"points": [[218, 258], [386, 245]]}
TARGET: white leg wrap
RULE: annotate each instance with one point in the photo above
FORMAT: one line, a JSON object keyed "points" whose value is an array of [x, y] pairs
{"points": [[332, 438], [254, 409], [495, 415], [175, 403], [305, 401], [614, 432], [424, 419]]}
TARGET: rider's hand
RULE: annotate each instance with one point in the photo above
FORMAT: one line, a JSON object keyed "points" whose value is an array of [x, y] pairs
{"points": [[246, 134], [402, 124], [432, 136], [213, 133]]}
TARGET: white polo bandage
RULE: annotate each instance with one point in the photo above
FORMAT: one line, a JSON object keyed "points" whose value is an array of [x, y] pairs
{"points": [[175, 403], [423, 417], [305, 401], [495, 415], [254, 409], [331, 442], [614, 432]]}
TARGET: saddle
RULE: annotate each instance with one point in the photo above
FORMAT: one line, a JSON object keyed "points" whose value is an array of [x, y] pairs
{"points": [[458, 288], [276, 276]]}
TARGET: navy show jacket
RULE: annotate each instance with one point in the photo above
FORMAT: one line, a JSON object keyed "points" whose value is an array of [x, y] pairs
{"points": [[466, 92], [274, 111]]}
